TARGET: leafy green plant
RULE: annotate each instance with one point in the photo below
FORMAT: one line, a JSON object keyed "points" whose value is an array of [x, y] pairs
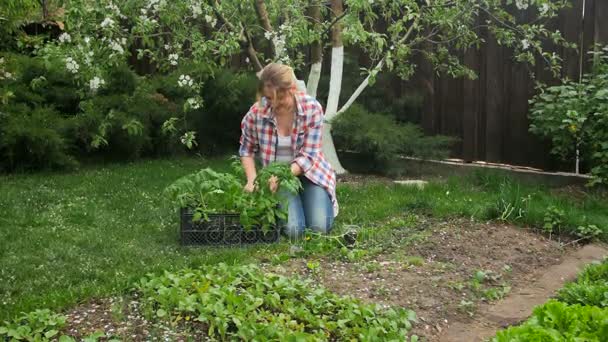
{"points": [[242, 302], [209, 192], [589, 232], [574, 115], [39, 325], [555, 321], [553, 220], [590, 288], [585, 293]]}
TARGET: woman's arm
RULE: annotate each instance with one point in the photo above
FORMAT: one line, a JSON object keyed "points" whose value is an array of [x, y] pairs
{"points": [[250, 172], [249, 145]]}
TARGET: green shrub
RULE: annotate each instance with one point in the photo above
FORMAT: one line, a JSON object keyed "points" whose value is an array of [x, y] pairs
{"points": [[227, 97], [574, 115], [33, 139], [244, 303], [379, 138]]}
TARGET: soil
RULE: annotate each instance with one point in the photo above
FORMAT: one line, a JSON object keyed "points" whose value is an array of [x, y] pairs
{"points": [[435, 276]]}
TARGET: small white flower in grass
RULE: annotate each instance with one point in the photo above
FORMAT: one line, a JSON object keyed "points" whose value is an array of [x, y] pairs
{"points": [[65, 38], [185, 81], [173, 58], [107, 22], [247, 60], [525, 44], [87, 40], [268, 35], [167, 47], [544, 9], [196, 9]]}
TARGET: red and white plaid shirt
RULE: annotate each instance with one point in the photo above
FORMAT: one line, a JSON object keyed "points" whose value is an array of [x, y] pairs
{"points": [[259, 135]]}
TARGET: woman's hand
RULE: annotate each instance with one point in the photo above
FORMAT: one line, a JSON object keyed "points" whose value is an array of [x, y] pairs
{"points": [[273, 184], [249, 187]]}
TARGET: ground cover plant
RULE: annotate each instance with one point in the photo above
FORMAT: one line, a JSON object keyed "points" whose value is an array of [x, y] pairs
{"points": [[579, 313]]}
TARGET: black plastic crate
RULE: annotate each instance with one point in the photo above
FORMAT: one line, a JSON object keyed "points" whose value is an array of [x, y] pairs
{"points": [[222, 229]]}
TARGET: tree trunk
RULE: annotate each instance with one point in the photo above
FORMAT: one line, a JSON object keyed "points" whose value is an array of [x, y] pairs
{"points": [[335, 85], [262, 12], [316, 53]]}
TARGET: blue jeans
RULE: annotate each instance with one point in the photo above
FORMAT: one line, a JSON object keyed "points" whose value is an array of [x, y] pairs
{"points": [[310, 208]]}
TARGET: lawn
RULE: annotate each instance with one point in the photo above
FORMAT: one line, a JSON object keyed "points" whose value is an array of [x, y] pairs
{"points": [[66, 237]]}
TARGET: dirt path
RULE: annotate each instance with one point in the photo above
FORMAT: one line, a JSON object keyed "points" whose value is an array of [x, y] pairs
{"points": [[518, 305]]}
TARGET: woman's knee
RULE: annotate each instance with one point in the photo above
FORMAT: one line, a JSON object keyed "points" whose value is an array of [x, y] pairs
{"points": [[320, 221]]}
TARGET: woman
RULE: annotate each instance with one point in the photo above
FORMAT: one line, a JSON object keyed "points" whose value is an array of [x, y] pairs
{"points": [[285, 126]]}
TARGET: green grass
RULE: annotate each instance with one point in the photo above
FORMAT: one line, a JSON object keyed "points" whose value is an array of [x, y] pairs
{"points": [[66, 237]]}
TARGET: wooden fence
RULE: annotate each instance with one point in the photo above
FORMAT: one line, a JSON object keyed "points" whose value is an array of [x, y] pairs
{"points": [[490, 114]]}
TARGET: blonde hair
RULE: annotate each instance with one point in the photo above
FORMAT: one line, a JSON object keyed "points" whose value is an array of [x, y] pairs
{"points": [[281, 77]]}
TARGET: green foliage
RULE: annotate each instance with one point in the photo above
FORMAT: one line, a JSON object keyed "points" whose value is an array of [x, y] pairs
{"points": [[585, 293], [209, 192], [242, 302], [379, 138], [574, 115], [555, 321], [227, 96], [554, 220], [39, 325], [590, 288], [33, 139]]}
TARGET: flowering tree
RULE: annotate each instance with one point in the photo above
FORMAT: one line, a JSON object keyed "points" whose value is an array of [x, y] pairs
{"points": [[102, 34]]}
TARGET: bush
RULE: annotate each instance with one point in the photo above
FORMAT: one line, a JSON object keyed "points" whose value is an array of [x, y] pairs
{"points": [[575, 115], [227, 97], [379, 138], [33, 138]]}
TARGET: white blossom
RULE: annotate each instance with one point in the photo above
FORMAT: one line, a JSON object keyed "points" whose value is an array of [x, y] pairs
{"points": [[115, 45], [96, 83], [525, 44], [87, 40], [65, 38], [173, 58], [107, 22], [268, 35], [71, 65], [194, 103], [544, 9], [521, 4], [185, 81], [247, 60], [167, 47]]}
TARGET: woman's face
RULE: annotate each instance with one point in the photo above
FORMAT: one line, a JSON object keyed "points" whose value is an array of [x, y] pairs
{"points": [[278, 98]]}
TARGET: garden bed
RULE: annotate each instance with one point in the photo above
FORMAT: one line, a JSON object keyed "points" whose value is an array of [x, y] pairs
{"points": [[444, 274]]}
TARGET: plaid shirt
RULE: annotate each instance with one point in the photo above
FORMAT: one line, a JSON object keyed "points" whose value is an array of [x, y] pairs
{"points": [[259, 135]]}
